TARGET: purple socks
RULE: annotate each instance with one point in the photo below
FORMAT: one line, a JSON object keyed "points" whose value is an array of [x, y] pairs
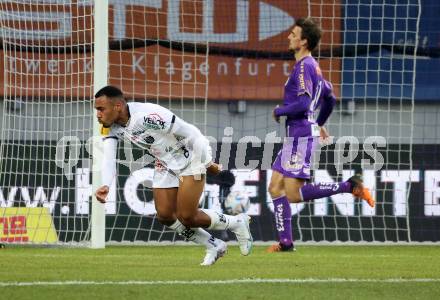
{"points": [[323, 189], [283, 220], [283, 213]]}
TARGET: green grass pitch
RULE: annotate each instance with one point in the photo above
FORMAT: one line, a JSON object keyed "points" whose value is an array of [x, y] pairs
{"points": [[173, 272]]}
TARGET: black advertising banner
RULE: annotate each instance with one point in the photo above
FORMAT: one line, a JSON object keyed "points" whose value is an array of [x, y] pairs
{"points": [[63, 185]]}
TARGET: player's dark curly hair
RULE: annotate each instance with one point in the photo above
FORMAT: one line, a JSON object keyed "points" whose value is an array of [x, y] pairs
{"points": [[110, 91], [310, 31]]}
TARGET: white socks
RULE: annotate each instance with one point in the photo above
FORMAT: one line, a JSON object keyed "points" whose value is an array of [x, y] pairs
{"points": [[200, 236], [196, 235], [221, 221]]}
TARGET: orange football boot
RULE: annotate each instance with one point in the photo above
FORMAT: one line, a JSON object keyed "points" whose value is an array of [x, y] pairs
{"points": [[358, 189], [280, 248]]}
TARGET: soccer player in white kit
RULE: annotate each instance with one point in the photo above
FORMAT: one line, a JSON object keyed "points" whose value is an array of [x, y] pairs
{"points": [[182, 156]]}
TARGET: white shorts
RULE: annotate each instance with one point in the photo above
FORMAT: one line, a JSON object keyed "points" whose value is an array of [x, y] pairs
{"points": [[164, 178], [196, 167]]}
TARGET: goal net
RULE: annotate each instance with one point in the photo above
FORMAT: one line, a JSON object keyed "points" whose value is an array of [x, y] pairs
{"points": [[369, 52], [221, 66], [47, 118], [371, 49]]}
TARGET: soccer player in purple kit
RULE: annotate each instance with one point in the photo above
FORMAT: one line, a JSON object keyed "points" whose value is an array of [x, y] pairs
{"points": [[305, 92]]}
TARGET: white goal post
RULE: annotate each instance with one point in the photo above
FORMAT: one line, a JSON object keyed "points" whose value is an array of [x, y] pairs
{"points": [[100, 79]]}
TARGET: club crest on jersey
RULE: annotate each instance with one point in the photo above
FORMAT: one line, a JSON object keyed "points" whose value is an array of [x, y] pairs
{"points": [[149, 139], [154, 121]]}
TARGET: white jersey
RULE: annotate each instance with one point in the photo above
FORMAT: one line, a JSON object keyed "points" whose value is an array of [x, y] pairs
{"points": [[172, 141]]}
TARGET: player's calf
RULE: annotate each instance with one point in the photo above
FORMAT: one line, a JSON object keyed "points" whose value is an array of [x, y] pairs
{"points": [[194, 219], [318, 190]]}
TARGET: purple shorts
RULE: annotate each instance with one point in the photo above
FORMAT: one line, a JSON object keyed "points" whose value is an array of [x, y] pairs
{"points": [[293, 160]]}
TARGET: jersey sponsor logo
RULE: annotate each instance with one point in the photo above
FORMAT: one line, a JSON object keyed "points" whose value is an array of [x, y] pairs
{"points": [[139, 132], [302, 85], [295, 163], [139, 135], [154, 121]]}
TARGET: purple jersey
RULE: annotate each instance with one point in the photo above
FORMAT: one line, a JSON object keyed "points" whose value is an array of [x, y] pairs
{"points": [[304, 92], [305, 88]]}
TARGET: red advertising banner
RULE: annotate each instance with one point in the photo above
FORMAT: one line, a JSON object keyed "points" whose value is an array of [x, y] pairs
{"points": [[158, 48]]}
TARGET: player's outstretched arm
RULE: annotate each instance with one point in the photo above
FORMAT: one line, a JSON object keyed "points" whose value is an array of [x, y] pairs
{"points": [[108, 170]]}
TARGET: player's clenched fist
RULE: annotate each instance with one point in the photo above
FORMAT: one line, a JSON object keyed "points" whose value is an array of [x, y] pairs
{"points": [[274, 116], [102, 193], [214, 169]]}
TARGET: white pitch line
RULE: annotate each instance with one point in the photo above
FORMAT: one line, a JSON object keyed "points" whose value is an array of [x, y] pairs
{"points": [[220, 282]]}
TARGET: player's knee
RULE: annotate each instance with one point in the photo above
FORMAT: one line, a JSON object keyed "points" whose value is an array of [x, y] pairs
{"points": [[187, 219], [275, 190]]}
